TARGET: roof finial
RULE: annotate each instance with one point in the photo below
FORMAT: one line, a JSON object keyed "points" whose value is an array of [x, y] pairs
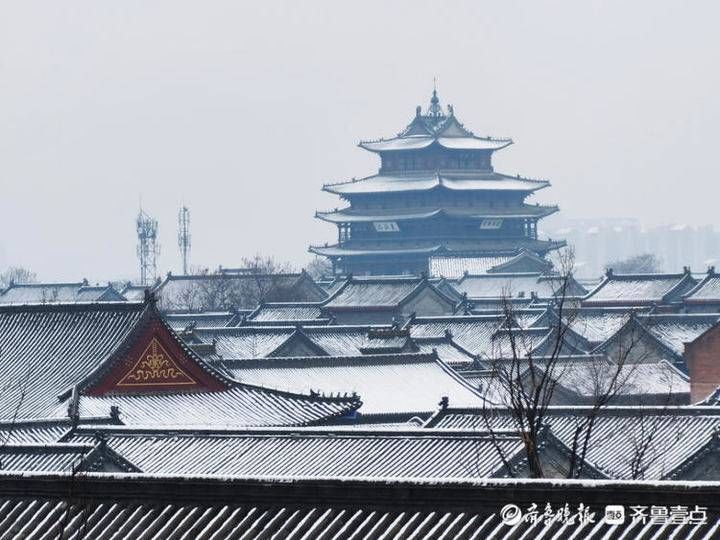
{"points": [[435, 109]]}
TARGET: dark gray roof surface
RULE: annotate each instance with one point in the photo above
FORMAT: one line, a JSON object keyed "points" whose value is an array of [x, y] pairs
{"points": [[407, 384], [284, 453], [640, 289], [668, 436], [44, 293], [48, 348], [135, 507]]}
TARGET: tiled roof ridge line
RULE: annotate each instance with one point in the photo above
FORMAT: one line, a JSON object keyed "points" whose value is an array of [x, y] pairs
{"points": [[72, 306], [314, 361]]}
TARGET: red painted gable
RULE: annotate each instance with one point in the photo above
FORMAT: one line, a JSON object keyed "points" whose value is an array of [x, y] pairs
{"points": [[154, 362]]}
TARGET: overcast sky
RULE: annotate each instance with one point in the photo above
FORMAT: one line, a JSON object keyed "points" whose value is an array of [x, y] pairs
{"points": [[243, 110]]}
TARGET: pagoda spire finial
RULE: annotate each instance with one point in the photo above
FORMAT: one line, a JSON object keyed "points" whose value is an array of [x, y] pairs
{"points": [[435, 109]]}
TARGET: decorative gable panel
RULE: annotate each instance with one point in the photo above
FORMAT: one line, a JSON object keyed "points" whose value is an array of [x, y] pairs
{"points": [[155, 362]]}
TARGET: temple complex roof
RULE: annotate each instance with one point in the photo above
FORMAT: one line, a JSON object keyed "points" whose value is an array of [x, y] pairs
{"points": [[44, 293], [314, 453], [122, 362], [403, 385], [678, 435], [640, 289], [291, 313], [707, 291], [205, 506]]}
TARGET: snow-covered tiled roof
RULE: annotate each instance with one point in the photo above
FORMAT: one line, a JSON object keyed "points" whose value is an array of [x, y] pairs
{"points": [[484, 286], [44, 293], [640, 289], [454, 267], [470, 181], [262, 341], [400, 384], [220, 319], [49, 347], [668, 436], [240, 291], [597, 324], [177, 506], [674, 330], [241, 405], [286, 312], [281, 453], [449, 352], [707, 291], [377, 293]]}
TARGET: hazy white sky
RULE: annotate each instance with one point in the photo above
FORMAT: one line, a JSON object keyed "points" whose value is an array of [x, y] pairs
{"points": [[242, 110]]}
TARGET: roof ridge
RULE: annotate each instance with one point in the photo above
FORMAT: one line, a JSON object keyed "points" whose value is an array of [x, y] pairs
{"points": [[313, 361], [119, 305]]}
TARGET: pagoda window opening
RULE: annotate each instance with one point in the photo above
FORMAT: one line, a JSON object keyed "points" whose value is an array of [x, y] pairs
{"points": [[344, 232]]}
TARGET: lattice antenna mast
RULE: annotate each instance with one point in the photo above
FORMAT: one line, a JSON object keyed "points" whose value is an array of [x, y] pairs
{"points": [[148, 249], [184, 237]]}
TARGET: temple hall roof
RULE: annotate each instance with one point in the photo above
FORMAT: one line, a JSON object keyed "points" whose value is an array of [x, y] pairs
{"points": [[44, 293], [673, 435], [640, 289], [214, 506], [279, 313], [389, 384], [707, 291], [420, 454], [47, 348]]}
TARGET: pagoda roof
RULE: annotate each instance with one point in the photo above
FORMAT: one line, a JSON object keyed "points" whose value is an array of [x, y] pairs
{"points": [[416, 142], [436, 126], [471, 247], [350, 215], [338, 251], [426, 181]]}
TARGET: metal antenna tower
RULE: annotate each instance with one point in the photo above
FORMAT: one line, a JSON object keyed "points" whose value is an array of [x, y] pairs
{"points": [[184, 237], [148, 249]]}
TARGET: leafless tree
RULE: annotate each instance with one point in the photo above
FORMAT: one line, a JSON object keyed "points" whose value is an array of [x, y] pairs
{"points": [[255, 281], [526, 381], [644, 263], [16, 274], [319, 268]]}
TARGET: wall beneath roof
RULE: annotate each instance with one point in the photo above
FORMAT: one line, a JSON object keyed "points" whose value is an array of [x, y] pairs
{"points": [[428, 303], [703, 360]]}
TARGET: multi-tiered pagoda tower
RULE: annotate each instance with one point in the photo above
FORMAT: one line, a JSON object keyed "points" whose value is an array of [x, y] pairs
{"points": [[436, 193]]}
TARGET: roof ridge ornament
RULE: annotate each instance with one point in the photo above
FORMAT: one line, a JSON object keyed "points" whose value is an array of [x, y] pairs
{"points": [[435, 109]]}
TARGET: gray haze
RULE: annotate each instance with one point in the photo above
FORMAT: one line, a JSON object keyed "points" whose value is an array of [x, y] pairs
{"points": [[243, 110]]}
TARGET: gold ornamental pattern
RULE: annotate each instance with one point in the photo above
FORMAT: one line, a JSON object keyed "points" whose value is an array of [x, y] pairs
{"points": [[155, 367]]}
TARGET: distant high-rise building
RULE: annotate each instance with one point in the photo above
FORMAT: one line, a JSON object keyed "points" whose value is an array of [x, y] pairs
{"points": [[436, 192], [600, 242]]}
